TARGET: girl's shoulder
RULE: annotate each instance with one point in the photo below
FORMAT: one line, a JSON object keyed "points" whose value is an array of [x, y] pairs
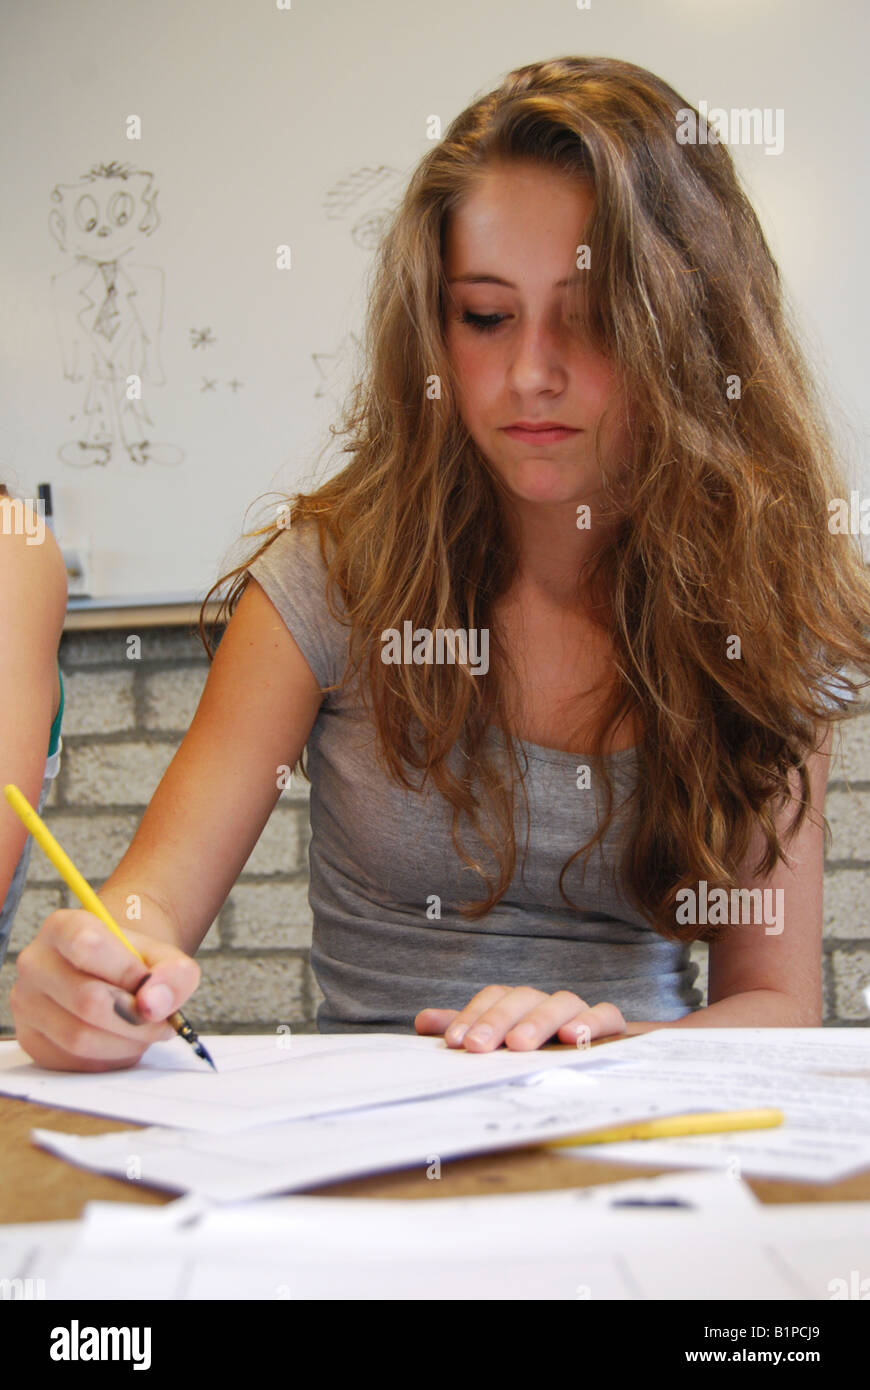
{"points": [[293, 573]]}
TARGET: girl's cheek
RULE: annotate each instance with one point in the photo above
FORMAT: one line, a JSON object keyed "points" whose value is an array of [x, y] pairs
{"points": [[598, 377], [473, 377]]}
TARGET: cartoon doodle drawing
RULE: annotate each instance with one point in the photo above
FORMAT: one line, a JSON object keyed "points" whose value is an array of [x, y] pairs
{"points": [[334, 367], [366, 195], [109, 311]]}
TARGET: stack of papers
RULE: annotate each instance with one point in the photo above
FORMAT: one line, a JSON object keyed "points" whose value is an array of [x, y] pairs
{"points": [[284, 1114], [817, 1077], [260, 1080], [684, 1236], [292, 1112]]}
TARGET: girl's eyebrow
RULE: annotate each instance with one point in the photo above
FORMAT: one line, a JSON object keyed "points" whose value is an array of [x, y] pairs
{"points": [[476, 277]]}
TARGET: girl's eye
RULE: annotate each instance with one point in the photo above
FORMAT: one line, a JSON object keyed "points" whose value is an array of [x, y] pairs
{"points": [[486, 323], [483, 323]]}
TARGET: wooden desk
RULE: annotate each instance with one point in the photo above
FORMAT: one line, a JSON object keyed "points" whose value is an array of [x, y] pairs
{"points": [[37, 1186]]}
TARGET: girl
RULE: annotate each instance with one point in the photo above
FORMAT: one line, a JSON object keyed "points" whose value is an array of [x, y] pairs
{"points": [[33, 594], [585, 449]]}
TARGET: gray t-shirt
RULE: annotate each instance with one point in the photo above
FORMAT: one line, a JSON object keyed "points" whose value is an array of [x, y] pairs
{"points": [[382, 863]]}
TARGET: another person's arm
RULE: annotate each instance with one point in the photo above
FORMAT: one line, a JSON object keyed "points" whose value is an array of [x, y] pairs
{"points": [[33, 591]]}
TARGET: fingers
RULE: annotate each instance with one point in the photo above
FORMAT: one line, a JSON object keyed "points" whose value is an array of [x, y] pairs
{"points": [[83, 1009], [481, 1014], [173, 978], [430, 1021], [601, 1021], [74, 1014], [92, 997], [68, 1044], [526, 1018], [86, 943], [46, 1054]]}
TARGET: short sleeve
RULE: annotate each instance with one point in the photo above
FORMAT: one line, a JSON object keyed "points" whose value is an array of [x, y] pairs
{"points": [[292, 573]]}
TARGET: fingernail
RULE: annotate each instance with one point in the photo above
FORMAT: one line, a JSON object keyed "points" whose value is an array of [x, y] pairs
{"points": [[480, 1033], [156, 1001], [456, 1034], [123, 1011]]}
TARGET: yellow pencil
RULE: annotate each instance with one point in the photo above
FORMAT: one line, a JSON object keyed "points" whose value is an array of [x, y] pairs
{"points": [[712, 1122], [88, 898]]}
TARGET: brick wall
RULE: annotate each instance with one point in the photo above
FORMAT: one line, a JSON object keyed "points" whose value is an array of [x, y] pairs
{"points": [[123, 721]]}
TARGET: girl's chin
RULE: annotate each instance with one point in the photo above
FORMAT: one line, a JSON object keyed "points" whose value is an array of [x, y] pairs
{"points": [[542, 480]]}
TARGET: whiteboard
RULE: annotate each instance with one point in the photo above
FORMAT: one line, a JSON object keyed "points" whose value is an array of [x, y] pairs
{"points": [[257, 126]]}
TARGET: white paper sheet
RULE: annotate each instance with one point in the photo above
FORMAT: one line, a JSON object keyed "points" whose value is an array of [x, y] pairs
{"points": [[817, 1077], [301, 1153], [190, 1249], [823, 1051], [261, 1080], [29, 1255], [577, 1245], [826, 1135]]}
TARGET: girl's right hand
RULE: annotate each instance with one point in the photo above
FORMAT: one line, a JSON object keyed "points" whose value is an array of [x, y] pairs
{"points": [[69, 979]]}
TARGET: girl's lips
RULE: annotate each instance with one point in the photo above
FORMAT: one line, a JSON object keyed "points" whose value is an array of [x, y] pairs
{"points": [[547, 436]]}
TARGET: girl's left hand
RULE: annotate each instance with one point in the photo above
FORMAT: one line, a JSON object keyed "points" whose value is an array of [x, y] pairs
{"points": [[522, 1018]]}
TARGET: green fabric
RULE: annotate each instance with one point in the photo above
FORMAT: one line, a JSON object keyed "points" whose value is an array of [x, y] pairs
{"points": [[54, 736]]}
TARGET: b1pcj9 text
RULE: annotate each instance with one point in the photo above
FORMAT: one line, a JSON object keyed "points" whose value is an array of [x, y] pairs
{"points": [[738, 1333]]}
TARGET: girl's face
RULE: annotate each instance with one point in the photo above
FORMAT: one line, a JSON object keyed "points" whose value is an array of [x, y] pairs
{"points": [[509, 249]]}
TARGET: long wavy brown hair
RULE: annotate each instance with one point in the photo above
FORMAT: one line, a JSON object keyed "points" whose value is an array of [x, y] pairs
{"points": [[723, 502]]}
